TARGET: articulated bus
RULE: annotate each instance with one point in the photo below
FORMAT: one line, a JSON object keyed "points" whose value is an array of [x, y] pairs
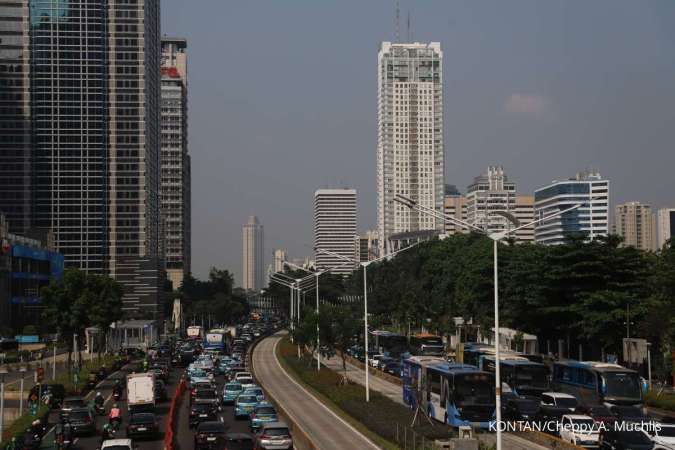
{"points": [[595, 383], [522, 376], [456, 394], [427, 345]]}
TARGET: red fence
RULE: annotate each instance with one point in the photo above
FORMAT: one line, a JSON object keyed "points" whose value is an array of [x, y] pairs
{"points": [[168, 435]]}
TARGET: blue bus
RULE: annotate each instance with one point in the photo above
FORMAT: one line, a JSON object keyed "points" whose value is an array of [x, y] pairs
{"points": [[597, 383], [522, 376], [456, 394], [388, 343]]}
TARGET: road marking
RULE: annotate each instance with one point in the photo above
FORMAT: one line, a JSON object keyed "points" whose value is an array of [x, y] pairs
{"points": [[348, 425]]}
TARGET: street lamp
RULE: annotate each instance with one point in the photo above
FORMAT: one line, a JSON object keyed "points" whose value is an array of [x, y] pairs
{"points": [[365, 264], [22, 371], [496, 237], [3, 372], [293, 285], [316, 274]]}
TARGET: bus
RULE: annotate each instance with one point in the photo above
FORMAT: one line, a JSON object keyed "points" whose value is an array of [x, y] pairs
{"points": [[522, 376], [217, 340], [427, 345], [455, 394], [596, 383], [388, 343], [473, 352], [195, 332]]}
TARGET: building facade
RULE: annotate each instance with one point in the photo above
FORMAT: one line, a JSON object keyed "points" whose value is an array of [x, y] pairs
{"points": [[591, 219], [635, 222], [26, 265], [410, 159], [89, 103], [335, 228], [15, 137], [665, 225], [253, 256], [175, 190], [279, 257], [455, 205], [367, 246]]}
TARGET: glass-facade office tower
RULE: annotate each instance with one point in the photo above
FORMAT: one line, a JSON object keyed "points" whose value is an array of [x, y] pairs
{"points": [[591, 219], [93, 80], [410, 136], [15, 140], [175, 161]]}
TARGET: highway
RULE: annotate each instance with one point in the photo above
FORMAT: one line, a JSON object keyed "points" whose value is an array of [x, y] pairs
{"points": [[324, 428]]}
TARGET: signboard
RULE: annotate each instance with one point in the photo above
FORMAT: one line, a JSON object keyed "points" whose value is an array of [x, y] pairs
{"points": [[634, 350], [27, 339]]}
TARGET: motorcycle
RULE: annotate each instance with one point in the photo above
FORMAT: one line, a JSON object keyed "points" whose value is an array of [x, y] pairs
{"points": [[115, 423], [99, 409], [63, 443], [117, 395], [31, 441]]}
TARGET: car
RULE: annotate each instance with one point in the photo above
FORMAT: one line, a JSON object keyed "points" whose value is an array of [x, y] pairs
{"points": [[521, 408], [375, 359], [626, 413], [244, 405], [117, 444], [210, 435], [560, 399], [73, 402], [617, 439], [263, 413], [232, 373], [393, 368], [242, 374], [580, 430], [662, 435], [143, 424], [82, 421], [600, 414], [257, 391], [202, 412], [549, 416], [382, 362], [239, 441], [230, 392], [206, 395], [247, 383], [274, 436]]}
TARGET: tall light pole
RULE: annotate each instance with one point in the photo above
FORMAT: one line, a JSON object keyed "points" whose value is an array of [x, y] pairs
{"points": [[3, 372], [365, 265], [496, 237]]}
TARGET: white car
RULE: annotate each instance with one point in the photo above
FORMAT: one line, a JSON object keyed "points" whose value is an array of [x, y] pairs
{"points": [[375, 359], [581, 430], [118, 444], [240, 375], [559, 399], [663, 437]]}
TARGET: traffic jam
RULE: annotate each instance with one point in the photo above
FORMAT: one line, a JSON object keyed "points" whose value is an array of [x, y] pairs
{"points": [[193, 392]]}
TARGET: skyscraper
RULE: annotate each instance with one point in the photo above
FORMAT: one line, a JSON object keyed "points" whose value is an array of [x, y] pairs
{"points": [[335, 228], [666, 225], [15, 140], [175, 161], [253, 256], [410, 136], [590, 220], [93, 124], [279, 257], [635, 222]]}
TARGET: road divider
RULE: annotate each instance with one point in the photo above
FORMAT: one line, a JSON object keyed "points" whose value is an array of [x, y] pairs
{"points": [[168, 435]]}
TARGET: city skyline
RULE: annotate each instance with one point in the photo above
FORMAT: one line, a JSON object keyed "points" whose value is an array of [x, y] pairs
{"points": [[543, 109]]}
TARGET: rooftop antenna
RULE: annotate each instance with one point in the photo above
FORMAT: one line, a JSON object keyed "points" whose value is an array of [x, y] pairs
{"points": [[409, 32], [397, 36]]}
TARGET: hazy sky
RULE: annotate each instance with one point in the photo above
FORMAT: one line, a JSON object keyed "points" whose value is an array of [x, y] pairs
{"points": [[283, 97]]}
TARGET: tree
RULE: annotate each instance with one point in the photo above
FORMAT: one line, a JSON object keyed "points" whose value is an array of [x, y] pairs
{"points": [[338, 328]]}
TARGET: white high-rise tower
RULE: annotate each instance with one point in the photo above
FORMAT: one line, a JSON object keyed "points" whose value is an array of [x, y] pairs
{"points": [[410, 136], [335, 228], [253, 276]]}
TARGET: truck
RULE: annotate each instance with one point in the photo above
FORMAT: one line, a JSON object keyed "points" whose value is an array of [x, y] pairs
{"points": [[195, 332], [140, 391]]}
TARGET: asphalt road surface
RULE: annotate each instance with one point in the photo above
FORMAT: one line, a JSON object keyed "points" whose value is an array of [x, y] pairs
{"points": [[325, 429]]}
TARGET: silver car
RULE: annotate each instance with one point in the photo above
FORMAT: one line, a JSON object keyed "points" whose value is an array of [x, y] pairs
{"points": [[274, 436]]}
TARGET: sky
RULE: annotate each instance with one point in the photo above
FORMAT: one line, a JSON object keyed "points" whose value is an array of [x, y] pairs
{"points": [[283, 101]]}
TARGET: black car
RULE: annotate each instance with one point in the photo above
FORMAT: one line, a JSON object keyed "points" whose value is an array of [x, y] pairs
{"points": [[202, 412], [160, 391], [208, 395], [82, 421], [70, 403], [142, 424], [549, 416], [393, 368], [616, 439], [210, 435], [54, 392], [239, 441], [521, 408]]}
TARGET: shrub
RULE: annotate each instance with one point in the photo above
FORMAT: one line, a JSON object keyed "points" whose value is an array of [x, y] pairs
{"points": [[663, 401]]}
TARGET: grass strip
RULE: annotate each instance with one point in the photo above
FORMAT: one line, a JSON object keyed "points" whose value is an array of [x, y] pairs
{"points": [[382, 420], [664, 401]]}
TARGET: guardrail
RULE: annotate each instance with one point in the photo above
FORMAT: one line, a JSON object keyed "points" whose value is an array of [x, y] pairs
{"points": [[301, 439], [168, 434]]}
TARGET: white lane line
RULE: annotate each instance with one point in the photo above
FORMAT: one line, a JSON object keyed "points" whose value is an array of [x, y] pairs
{"points": [[348, 425]]}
